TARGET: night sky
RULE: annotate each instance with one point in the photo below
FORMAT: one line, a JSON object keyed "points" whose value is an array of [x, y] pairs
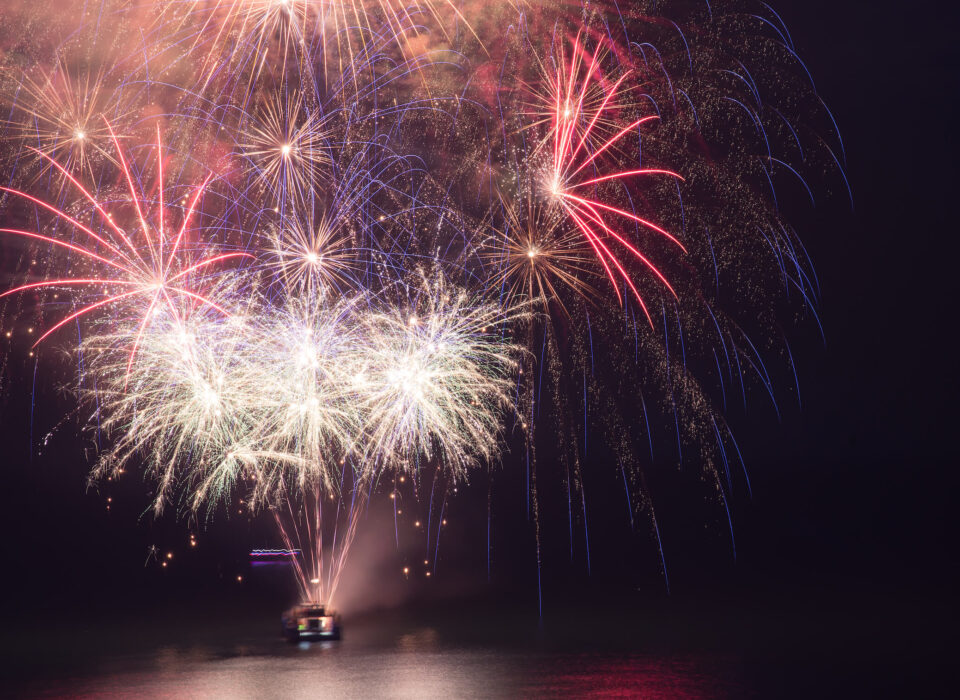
{"points": [[852, 490]]}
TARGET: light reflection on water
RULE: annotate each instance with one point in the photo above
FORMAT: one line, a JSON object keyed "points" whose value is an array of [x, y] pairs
{"points": [[414, 664]]}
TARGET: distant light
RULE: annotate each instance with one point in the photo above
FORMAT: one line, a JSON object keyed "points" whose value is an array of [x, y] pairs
{"points": [[417, 524], [274, 552], [239, 578], [314, 581], [406, 570], [169, 555]]}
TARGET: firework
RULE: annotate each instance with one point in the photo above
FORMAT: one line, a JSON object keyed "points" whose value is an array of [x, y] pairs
{"points": [[309, 352], [313, 256], [324, 529], [582, 107], [177, 409], [140, 255], [407, 194], [64, 115], [242, 42], [286, 148], [536, 253], [436, 378], [257, 37]]}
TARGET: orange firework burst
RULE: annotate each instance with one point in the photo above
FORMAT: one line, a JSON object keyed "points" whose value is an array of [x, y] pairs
{"points": [[64, 111], [313, 256], [285, 144], [535, 253]]}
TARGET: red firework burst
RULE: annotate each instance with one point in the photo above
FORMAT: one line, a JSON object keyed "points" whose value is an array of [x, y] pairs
{"points": [[582, 106], [147, 268]]}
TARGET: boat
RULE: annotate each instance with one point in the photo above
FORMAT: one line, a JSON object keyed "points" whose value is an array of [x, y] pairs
{"points": [[309, 622]]}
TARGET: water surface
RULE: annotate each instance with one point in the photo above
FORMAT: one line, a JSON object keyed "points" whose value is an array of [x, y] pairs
{"points": [[456, 651]]}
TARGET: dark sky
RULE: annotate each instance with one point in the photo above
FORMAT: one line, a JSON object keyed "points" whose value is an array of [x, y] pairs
{"points": [[854, 486], [874, 444]]}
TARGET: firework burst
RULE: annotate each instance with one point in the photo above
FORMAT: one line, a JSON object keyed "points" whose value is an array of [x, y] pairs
{"points": [[286, 146], [178, 409], [64, 113], [535, 253], [144, 260], [582, 108], [312, 421], [313, 256], [435, 379]]}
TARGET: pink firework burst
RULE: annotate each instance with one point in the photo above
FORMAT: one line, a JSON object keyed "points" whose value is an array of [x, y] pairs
{"points": [[582, 107], [147, 266]]}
